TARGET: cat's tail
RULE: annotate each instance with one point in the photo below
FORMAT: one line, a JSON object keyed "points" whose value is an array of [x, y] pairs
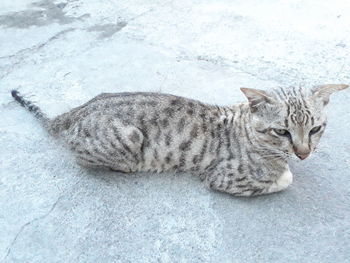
{"points": [[31, 107]]}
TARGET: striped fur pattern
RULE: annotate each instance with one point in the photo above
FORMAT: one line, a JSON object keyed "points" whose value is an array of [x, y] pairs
{"points": [[241, 150]]}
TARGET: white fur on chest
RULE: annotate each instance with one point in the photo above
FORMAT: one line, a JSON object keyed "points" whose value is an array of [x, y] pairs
{"points": [[282, 182]]}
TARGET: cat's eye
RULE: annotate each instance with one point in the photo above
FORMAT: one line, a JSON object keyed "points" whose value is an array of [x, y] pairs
{"points": [[315, 130], [281, 132]]}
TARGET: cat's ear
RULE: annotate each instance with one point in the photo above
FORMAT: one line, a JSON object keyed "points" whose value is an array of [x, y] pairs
{"points": [[323, 92], [257, 98]]}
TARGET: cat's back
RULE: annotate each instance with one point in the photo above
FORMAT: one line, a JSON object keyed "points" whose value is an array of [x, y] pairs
{"points": [[138, 109], [129, 104]]}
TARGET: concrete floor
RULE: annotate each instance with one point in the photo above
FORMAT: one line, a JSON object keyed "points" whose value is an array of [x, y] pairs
{"points": [[62, 53]]}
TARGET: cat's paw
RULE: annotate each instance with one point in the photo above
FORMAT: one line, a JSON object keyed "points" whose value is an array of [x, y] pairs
{"points": [[282, 182]]}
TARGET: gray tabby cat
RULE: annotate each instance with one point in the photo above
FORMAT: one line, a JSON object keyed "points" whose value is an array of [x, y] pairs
{"points": [[241, 150]]}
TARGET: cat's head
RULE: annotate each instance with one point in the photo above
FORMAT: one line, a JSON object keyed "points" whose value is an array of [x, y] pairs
{"points": [[289, 121]]}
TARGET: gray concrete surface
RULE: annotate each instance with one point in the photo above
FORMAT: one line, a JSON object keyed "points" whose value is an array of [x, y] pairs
{"points": [[62, 53]]}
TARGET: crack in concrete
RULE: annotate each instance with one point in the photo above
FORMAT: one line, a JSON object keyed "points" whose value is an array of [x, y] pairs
{"points": [[29, 223], [42, 217], [149, 11], [107, 30], [39, 46], [22, 54]]}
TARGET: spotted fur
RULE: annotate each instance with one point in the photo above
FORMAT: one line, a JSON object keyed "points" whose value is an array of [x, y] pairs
{"points": [[241, 150]]}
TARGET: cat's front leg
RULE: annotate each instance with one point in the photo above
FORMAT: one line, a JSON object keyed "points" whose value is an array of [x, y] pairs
{"points": [[246, 185], [233, 185]]}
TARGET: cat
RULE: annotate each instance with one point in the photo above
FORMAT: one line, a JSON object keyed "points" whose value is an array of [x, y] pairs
{"points": [[241, 150]]}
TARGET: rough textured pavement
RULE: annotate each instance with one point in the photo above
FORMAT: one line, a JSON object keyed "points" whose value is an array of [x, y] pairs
{"points": [[62, 53]]}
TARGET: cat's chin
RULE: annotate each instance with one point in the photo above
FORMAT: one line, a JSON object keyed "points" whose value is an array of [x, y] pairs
{"points": [[293, 158]]}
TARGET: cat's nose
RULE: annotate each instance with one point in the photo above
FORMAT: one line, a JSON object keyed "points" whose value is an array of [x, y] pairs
{"points": [[302, 152]]}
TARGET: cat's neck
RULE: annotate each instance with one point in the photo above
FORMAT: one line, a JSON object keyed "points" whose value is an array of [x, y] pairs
{"points": [[235, 115], [238, 120]]}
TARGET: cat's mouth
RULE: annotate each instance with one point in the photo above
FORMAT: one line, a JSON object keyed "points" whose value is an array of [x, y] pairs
{"points": [[303, 156], [296, 156]]}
